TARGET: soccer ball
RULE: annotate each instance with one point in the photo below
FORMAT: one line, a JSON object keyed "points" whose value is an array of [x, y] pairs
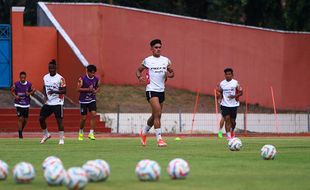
{"points": [[77, 178], [50, 160], [234, 144], [4, 170], [178, 168], [97, 170], [148, 170], [55, 174], [268, 152], [23, 172]]}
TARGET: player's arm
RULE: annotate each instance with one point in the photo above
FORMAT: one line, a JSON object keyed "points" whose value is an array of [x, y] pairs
{"points": [[12, 90], [219, 93], [170, 72], [62, 88], [239, 91], [31, 91], [79, 86], [95, 90], [139, 73]]}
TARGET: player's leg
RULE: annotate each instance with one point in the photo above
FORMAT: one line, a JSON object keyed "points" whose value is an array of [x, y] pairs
{"points": [[149, 124], [19, 122], [93, 114], [58, 112], [233, 116], [220, 133], [44, 113], [157, 105], [228, 126], [83, 110], [25, 118]]}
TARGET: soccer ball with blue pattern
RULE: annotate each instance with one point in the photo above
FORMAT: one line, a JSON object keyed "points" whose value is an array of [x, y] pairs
{"points": [[55, 174], [268, 152], [178, 168], [234, 144], [23, 172], [97, 170], [148, 170], [4, 170], [50, 160], [76, 178]]}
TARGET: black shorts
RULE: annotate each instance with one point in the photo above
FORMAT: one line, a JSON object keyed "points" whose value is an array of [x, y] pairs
{"points": [[22, 112], [47, 110], [151, 94], [231, 111], [90, 106]]}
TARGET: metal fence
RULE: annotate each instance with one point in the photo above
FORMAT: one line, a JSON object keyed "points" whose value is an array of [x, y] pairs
{"points": [[205, 123]]}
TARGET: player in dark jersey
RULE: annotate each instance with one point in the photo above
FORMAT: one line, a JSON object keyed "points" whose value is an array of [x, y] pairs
{"points": [[21, 90], [88, 86]]}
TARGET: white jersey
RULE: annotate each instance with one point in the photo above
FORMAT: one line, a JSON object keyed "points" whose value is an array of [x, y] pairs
{"points": [[229, 88], [156, 70], [54, 83]]}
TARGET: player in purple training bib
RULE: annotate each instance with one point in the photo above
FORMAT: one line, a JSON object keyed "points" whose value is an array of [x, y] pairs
{"points": [[88, 86], [21, 90]]}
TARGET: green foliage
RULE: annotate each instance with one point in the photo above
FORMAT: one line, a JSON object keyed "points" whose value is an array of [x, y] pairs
{"points": [[276, 14]]}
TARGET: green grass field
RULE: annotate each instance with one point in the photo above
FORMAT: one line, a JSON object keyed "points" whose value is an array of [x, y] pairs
{"points": [[213, 166]]}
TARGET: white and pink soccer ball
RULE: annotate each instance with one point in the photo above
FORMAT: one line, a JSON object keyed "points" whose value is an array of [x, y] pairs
{"points": [[148, 170], [178, 168], [23, 172], [97, 170], [234, 144], [76, 178], [268, 152], [50, 161], [4, 170]]}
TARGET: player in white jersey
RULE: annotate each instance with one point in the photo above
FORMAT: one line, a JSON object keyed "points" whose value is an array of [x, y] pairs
{"points": [[54, 88], [158, 69], [230, 91]]}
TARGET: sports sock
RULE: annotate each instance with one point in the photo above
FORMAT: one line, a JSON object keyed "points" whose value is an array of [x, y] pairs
{"points": [[158, 134], [81, 131], [228, 134], [91, 131], [20, 134], [146, 129], [61, 134], [45, 132]]}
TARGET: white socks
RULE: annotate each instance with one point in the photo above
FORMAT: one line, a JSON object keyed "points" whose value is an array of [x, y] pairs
{"points": [[81, 131], [61, 134], [91, 131], [45, 132], [158, 134], [146, 129], [228, 134]]}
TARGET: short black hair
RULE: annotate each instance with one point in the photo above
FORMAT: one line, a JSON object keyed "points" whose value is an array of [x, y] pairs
{"points": [[228, 70], [91, 68], [155, 41], [22, 73], [53, 62]]}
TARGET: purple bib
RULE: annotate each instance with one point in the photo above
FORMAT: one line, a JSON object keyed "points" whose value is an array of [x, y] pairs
{"points": [[87, 97], [20, 90]]}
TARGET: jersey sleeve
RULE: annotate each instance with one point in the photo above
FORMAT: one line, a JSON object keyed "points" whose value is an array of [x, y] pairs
{"points": [[143, 63], [169, 63]]}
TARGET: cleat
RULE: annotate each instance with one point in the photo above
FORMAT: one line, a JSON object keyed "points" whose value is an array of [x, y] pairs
{"points": [[81, 136], [161, 143], [91, 136], [45, 138], [61, 141], [143, 139], [220, 134]]}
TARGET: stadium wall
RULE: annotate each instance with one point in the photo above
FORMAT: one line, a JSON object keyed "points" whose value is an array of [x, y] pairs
{"points": [[116, 40], [32, 47]]}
